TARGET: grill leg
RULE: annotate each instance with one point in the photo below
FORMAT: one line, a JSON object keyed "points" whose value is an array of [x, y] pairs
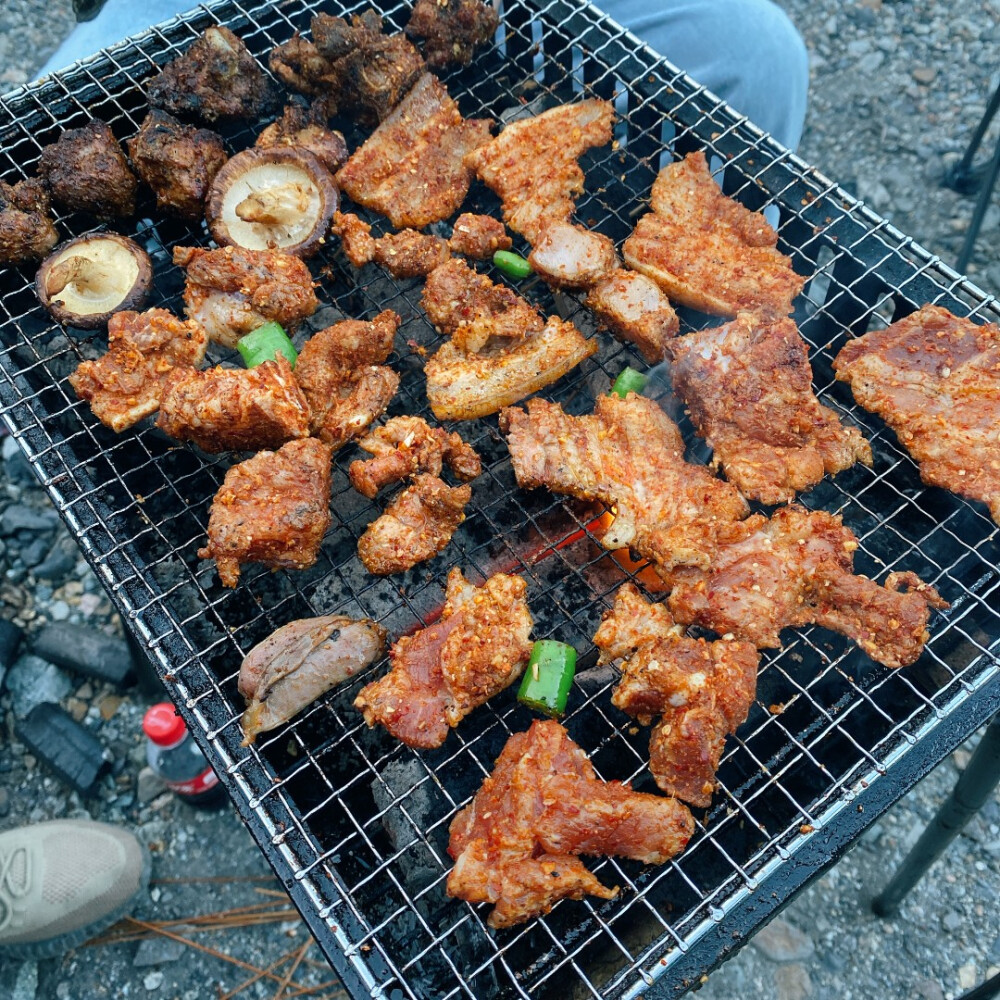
{"points": [[971, 791], [985, 990], [989, 182]]}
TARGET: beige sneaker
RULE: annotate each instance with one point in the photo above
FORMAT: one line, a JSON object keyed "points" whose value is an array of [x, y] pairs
{"points": [[64, 881]]}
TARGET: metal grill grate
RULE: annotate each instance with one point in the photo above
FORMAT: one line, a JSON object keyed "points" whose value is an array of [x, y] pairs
{"points": [[356, 824]]}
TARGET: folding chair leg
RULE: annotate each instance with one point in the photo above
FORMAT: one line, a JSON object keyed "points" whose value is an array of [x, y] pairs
{"points": [[973, 788]]}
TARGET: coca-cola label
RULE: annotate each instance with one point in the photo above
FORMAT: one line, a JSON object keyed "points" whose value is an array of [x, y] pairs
{"points": [[195, 786]]}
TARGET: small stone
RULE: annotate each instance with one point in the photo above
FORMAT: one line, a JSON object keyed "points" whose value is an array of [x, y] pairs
{"points": [[967, 977], [951, 921], [927, 989], [782, 942], [108, 705], [59, 611], [26, 983], [149, 784], [793, 982], [89, 603], [76, 707], [924, 74], [871, 62], [153, 981], [157, 951], [62, 990], [961, 758], [994, 953], [32, 681], [19, 517], [4, 801]]}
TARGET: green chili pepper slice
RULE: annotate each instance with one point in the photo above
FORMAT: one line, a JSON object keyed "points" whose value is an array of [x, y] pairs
{"points": [[265, 344], [629, 380], [546, 683], [512, 264]]}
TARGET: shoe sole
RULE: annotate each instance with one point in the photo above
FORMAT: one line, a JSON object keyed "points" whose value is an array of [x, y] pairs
{"points": [[53, 947]]}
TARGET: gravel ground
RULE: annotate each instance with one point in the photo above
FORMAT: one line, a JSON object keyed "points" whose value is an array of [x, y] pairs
{"points": [[896, 91]]}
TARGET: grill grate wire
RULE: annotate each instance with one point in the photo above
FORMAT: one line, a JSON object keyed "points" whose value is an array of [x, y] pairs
{"points": [[357, 825]]}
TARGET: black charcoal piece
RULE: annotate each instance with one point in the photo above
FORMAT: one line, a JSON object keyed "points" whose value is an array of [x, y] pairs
{"points": [[85, 651], [10, 641], [69, 750]]}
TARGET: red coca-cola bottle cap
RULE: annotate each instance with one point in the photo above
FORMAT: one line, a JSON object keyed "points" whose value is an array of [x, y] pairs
{"points": [[163, 725]]}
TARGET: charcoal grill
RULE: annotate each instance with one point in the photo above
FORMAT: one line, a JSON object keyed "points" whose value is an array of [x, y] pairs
{"points": [[356, 824]]}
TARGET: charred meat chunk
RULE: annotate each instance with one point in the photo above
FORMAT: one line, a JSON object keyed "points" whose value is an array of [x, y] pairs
{"points": [[411, 167], [935, 379], [273, 509], [748, 388], [179, 162], [86, 171], [516, 844], [405, 446], [478, 236], [795, 569], [707, 251], [341, 374], [355, 237], [700, 690], [478, 647], [234, 409], [307, 128], [231, 291], [125, 384], [27, 232], [416, 526], [352, 65], [217, 78], [451, 30], [298, 663], [409, 254]]}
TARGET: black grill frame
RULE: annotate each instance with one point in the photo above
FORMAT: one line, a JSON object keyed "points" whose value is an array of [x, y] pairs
{"points": [[852, 737]]}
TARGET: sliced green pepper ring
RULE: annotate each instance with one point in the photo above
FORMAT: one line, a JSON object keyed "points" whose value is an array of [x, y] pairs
{"points": [[265, 344], [546, 683], [512, 264], [629, 380]]}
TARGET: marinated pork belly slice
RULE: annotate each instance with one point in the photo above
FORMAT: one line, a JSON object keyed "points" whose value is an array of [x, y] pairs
{"points": [[795, 569], [700, 690], [125, 384], [461, 386], [478, 647], [411, 168], [234, 409], [635, 310], [532, 165], [629, 455], [273, 509], [569, 256], [748, 388], [501, 349], [299, 662], [405, 446], [340, 374], [231, 291], [478, 236], [935, 379], [417, 525], [516, 844], [707, 251]]}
